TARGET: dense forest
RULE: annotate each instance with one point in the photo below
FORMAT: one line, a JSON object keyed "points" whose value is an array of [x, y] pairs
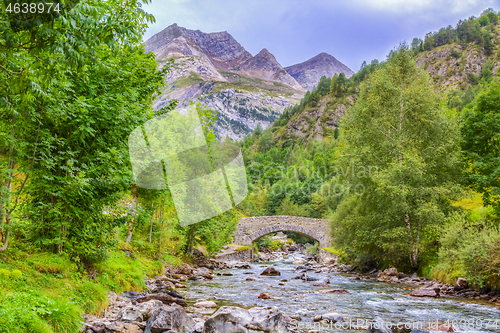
{"points": [[405, 174]]}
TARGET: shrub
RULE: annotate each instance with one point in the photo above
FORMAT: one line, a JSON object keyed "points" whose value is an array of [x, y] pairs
{"points": [[469, 248], [16, 274], [455, 53], [4, 273], [473, 78], [312, 249]]}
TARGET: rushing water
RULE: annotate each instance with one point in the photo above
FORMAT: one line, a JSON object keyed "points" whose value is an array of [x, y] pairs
{"points": [[367, 299]]}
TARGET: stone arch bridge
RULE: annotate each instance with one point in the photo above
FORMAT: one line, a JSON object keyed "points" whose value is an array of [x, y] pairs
{"points": [[251, 228]]}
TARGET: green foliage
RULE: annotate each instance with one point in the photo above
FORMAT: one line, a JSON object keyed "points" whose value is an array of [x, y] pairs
{"points": [[473, 78], [455, 53], [4, 274], [398, 216], [266, 141], [287, 207], [469, 249], [76, 90], [480, 131], [312, 249], [33, 312], [324, 85], [466, 31], [298, 238], [16, 274]]}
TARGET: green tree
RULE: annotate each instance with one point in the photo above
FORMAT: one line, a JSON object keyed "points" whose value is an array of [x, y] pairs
{"points": [[53, 69], [266, 142], [324, 85], [481, 132], [257, 132], [401, 128]]}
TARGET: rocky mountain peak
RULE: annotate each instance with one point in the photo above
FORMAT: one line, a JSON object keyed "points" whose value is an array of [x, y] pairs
{"points": [[220, 46], [308, 73]]}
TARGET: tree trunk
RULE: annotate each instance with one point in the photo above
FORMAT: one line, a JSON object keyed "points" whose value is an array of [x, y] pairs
{"points": [[190, 240], [2, 210], [131, 224], [8, 186], [7, 233], [151, 228]]}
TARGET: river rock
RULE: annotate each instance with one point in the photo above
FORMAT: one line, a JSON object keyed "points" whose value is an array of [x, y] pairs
{"points": [[270, 271], [334, 291], [164, 298], [171, 318], [461, 284], [326, 257], [264, 296], [119, 327], [139, 312], [203, 307], [378, 325], [321, 283], [331, 317], [237, 320], [389, 275], [131, 294], [424, 292]]}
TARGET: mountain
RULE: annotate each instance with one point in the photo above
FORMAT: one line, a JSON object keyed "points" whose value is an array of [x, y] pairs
{"points": [[213, 68], [308, 73]]}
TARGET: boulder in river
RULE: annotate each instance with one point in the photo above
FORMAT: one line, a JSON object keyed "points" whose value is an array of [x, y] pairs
{"points": [[461, 284], [378, 325], [389, 275], [234, 319], [424, 292], [333, 291], [321, 283], [270, 271], [264, 296], [203, 307]]}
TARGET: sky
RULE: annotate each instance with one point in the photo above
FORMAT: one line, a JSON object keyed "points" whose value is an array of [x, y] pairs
{"points": [[297, 30]]}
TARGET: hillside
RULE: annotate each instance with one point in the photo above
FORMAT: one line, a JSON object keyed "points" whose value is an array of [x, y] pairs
{"points": [[213, 68], [455, 66]]}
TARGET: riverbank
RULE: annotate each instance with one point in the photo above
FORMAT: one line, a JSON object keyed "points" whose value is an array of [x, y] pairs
{"points": [[294, 290], [44, 292]]}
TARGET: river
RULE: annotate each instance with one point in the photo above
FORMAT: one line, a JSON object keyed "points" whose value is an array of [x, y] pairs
{"points": [[366, 300]]}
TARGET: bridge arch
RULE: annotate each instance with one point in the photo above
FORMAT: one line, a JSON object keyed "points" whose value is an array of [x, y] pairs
{"points": [[251, 228]]}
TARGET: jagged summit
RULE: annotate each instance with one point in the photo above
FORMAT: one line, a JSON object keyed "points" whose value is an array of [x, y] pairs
{"points": [[308, 73], [221, 46]]}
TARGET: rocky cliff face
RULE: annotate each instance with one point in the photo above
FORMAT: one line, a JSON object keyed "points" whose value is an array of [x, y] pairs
{"points": [[317, 122], [308, 73], [213, 68]]}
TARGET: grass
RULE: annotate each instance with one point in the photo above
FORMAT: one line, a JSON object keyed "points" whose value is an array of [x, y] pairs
{"points": [[46, 292], [332, 250], [185, 81], [243, 248]]}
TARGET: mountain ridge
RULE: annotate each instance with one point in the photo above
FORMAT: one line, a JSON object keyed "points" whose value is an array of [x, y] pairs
{"points": [[216, 70]]}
